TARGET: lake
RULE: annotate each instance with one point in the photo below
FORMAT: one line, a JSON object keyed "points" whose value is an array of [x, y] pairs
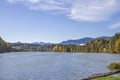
{"points": [[53, 66]]}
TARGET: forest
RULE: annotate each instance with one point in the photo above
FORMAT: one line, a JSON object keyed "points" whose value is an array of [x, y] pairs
{"points": [[98, 45]]}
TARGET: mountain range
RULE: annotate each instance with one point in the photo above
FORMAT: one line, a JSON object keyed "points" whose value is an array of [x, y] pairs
{"points": [[81, 41]]}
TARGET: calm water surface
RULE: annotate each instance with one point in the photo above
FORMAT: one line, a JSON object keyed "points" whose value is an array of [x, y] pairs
{"points": [[52, 66]]}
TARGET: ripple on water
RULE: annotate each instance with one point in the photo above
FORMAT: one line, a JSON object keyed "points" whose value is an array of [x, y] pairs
{"points": [[51, 66]]}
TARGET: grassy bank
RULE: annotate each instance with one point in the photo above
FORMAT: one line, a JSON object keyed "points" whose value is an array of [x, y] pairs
{"points": [[111, 66], [108, 78]]}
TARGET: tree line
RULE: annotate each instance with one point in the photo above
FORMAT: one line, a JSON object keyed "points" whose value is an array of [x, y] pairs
{"points": [[31, 47], [99, 45]]}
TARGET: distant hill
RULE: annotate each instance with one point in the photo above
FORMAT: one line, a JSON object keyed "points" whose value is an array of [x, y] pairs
{"points": [[97, 45], [105, 37], [41, 43], [81, 41], [87, 44]]}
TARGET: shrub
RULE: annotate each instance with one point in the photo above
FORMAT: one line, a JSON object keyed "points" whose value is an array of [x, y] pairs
{"points": [[114, 65]]}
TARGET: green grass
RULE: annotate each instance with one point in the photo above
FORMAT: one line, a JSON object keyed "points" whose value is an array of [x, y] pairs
{"points": [[108, 78]]}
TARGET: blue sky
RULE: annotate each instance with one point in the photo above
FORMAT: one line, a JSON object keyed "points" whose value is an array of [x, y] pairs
{"points": [[58, 20]]}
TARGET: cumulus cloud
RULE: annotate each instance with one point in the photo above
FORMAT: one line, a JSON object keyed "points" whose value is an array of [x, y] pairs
{"points": [[80, 10], [115, 25], [94, 10]]}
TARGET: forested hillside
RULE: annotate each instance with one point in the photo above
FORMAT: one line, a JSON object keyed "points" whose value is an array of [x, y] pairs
{"points": [[99, 45], [4, 46], [105, 45]]}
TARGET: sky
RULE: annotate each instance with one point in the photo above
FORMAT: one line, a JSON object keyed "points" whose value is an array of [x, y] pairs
{"points": [[58, 20]]}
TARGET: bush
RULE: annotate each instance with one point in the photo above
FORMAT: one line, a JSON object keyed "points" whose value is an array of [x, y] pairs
{"points": [[114, 65]]}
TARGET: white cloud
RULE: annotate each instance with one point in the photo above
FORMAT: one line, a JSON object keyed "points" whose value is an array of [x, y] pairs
{"points": [[94, 10], [80, 10], [115, 25], [34, 1]]}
